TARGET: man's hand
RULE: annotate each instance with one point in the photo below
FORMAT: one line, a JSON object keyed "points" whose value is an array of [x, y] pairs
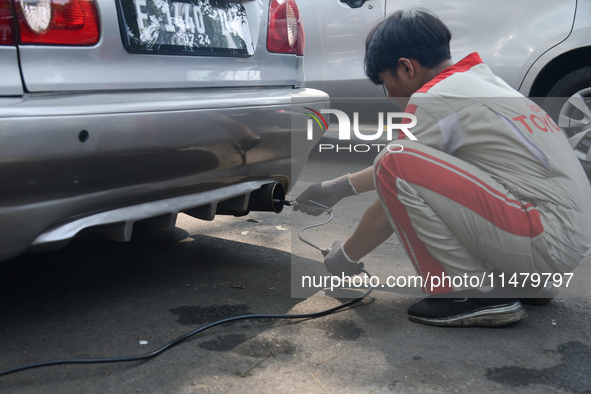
{"points": [[325, 194], [338, 263]]}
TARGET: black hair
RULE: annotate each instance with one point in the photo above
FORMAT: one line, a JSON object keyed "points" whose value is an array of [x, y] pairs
{"points": [[411, 33]]}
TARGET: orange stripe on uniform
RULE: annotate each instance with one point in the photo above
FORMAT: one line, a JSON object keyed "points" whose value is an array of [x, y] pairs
{"points": [[421, 169], [464, 188], [425, 264]]}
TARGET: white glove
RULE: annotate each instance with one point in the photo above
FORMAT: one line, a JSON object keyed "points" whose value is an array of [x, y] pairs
{"points": [[338, 263], [326, 193]]}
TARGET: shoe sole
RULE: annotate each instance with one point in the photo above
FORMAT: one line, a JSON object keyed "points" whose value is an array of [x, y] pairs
{"points": [[488, 317]]}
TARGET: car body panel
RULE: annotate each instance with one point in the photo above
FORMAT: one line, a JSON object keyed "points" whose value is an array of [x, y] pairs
{"points": [[579, 38], [10, 76], [509, 35], [335, 46], [109, 66]]}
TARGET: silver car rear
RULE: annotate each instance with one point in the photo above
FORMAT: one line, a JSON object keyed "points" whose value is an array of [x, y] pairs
{"points": [[171, 107]]}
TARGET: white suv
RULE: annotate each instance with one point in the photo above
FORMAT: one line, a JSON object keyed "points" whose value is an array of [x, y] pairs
{"points": [[540, 47]]}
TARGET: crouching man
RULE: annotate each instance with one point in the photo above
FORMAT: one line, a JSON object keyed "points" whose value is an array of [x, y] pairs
{"points": [[491, 188]]}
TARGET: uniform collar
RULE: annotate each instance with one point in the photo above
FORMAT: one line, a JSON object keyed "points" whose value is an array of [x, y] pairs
{"points": [[463, 65]]}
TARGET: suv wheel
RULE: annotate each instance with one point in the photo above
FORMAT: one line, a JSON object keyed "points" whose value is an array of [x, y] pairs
{"points": [[569, 103]]}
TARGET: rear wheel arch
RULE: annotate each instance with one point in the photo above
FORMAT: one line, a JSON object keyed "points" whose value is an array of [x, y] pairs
{"points": [[559, 68]]}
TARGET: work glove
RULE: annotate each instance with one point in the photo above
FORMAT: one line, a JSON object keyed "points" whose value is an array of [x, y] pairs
{"points": [[326, 193], [338, 263]]}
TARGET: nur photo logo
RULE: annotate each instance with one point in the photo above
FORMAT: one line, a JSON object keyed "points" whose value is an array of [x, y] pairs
{"points": [[395, 125]]}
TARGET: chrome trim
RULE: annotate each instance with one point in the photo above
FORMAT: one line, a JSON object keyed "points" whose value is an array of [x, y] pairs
{"points": [[117, 224]]}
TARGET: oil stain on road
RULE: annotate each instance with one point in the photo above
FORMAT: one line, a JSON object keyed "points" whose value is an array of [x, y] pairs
{"points": [[573, 374]]}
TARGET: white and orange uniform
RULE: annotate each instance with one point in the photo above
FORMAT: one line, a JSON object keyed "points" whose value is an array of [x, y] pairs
{"points": [[491, 185]]}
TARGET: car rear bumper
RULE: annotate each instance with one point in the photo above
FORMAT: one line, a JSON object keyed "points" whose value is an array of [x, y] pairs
{"points": [[67, 157]]}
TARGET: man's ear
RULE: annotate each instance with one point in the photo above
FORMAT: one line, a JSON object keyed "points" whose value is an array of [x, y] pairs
{"points": [[406, 67]]}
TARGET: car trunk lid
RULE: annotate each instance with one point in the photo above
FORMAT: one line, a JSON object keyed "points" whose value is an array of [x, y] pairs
{"points": [[163, 44]]}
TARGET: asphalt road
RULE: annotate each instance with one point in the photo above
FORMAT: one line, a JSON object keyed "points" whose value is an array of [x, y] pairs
{"points": [[97, 298]]}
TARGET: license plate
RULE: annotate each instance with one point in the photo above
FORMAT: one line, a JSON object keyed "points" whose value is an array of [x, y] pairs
{"points": [[197, 27]]}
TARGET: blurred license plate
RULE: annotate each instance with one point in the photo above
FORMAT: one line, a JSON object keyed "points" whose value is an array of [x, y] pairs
{"points": [[186, 27]]}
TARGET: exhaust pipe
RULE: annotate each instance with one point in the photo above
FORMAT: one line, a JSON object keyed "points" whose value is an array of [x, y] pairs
{"points": [[269, 198]]}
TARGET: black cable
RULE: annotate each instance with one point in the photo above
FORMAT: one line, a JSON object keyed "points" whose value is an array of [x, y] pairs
{"points": [[177, 341], [180, 339]]}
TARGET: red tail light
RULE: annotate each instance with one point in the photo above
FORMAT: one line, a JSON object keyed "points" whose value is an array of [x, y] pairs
{"points": [[6, 23], [59, 22], [286, 30]]}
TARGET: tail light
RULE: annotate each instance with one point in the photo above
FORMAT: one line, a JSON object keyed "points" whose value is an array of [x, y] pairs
{"points": [[58, 22], [286, 31], [7, 32]]}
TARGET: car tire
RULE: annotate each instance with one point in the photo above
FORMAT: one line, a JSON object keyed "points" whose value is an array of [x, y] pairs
{"points": [[569, 104]]}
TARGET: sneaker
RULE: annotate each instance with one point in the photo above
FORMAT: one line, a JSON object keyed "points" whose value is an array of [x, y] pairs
{"points": [[467, 308]]}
